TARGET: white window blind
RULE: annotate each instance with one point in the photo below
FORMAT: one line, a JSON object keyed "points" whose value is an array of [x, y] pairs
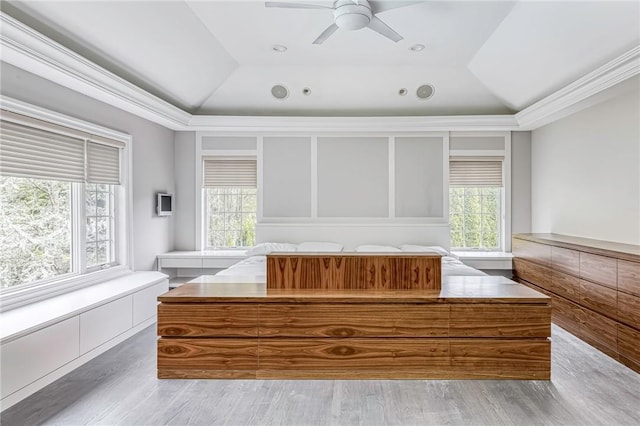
{"points": [[229, 173], [36, 149], [476, 173]]}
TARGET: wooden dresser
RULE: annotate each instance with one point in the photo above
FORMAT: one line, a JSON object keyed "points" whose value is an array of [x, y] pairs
{"points": [[594, 285]]}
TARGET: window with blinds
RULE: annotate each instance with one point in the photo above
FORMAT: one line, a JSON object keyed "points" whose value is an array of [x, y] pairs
{"points": [[475, 203], [231, 201], [58, 201]]}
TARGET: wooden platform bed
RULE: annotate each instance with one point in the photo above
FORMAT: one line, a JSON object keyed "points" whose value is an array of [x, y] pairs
{"points": [[354, 316]]}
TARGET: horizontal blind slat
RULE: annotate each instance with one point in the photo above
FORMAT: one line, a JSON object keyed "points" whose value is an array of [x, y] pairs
{"points": [[475, 173], [230, 173], [103, 163]]}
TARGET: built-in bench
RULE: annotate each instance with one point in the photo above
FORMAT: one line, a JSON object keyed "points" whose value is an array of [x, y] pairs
{"points": [[43, 341], [182, 266]]}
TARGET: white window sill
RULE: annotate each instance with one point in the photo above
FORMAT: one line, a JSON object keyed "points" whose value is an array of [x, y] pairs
{"points": [[486, 259]]}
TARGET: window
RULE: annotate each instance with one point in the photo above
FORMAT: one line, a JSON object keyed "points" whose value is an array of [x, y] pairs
{"points": [[230, 202], [475, 204], [59, 192]]}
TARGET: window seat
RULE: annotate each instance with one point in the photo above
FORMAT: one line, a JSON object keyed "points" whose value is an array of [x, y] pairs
{"points": [[45, 340]]}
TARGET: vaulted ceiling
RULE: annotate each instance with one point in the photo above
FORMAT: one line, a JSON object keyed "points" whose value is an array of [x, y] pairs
{"points": [[217, 57]]}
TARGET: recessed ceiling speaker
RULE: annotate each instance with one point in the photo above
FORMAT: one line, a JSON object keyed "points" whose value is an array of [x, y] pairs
{"points": [[425, 91], [279, 91]]}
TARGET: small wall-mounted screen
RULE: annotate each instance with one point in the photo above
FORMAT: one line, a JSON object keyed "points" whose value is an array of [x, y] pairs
{"points": [[164, 205]]}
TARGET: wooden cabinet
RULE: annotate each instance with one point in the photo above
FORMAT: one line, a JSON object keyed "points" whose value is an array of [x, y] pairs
{"points": [[595, 286], [487, 327]]}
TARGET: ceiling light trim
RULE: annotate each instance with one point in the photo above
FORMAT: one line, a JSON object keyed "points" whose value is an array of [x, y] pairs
{"points": [[552, 107], [27, 49]]}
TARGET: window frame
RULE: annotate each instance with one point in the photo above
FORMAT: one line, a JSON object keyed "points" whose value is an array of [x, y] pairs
{"points": [[207, 227], [24, 294], [501, 226], [505, 154]]}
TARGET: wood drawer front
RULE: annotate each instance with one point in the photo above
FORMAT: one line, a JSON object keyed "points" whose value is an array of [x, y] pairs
{"points": [[598, 330], [353, 354], [600, 269], [629, 277], [565, 260], [535, 252], [566, 314], [532, 355], [207, 320], [599, 298], [208, 354], [354, 320], [565, 285], [535, 274], [629, 309], [500, 321], [629, 346]]}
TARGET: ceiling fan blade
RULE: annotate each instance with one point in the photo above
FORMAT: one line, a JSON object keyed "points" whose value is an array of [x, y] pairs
{"points": [[378, 26], [294, 5], [381, 6], [326, 34]]}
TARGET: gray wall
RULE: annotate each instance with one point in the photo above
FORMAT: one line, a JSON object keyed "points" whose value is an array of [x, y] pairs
{"points": [[185, 202], [586, 172], [520, 182], [152, 150]]}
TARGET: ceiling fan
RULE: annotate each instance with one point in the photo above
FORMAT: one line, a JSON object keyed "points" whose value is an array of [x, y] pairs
{"points": [[352, 15]]}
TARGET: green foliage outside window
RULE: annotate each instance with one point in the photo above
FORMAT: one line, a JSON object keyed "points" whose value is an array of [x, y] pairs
{"points": [[475, 217], [35, 230], [231, 217]]}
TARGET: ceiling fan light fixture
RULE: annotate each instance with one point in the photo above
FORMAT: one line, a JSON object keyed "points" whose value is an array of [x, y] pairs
{"points": [[350, 15], [352, 21]]}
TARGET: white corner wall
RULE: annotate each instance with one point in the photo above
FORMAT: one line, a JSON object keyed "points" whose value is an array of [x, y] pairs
{"points": [[586, 172], [153, 151], [185, 195], [520, 182]]}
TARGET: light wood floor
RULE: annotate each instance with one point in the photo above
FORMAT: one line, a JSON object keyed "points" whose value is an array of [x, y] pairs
{"points": [[120, 388]]}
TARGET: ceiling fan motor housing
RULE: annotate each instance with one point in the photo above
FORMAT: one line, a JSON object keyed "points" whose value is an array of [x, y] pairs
{"points": [[351, 15]]}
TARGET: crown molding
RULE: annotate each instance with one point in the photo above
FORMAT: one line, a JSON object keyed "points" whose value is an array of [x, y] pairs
{"points": [[28, 49], [353, 124], [34, 52], [573, 96]]}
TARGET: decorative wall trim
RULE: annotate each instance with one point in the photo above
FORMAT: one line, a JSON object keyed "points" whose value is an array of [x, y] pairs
{"points": [[552, 107], [28, 49]]}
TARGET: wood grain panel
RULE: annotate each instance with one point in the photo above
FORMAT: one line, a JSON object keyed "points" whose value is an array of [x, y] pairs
{"points": [[207, 320], [598, 330], [566, 314], [207, 354], [354, 320], [352, 354], [629, 277], [533, 252], [600, 269], [535, 274], [500, 321], [167, 373], [629, 346], [565, 260], [435, 372], [629, 309], [492, 355], [565, 285], [351, 272], [599, 298]]}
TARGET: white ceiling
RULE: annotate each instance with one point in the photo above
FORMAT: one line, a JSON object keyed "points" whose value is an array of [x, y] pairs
{"points": [[216, 57]]}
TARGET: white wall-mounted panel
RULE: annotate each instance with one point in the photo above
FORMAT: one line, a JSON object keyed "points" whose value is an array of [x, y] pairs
{"points": [[102, 324], [229, 142], [28, 358], [353, 177], [286, 177], [145, 302], [492, 143], [419, 177]]}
